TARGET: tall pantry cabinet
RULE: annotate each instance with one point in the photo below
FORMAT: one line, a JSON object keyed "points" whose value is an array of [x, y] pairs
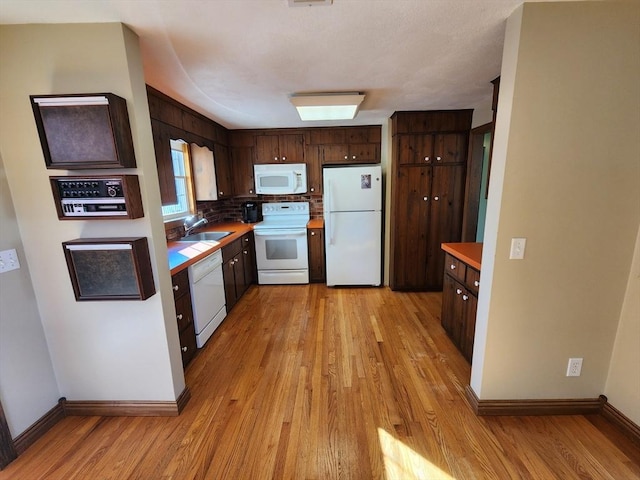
{"points": [[428, 168]]}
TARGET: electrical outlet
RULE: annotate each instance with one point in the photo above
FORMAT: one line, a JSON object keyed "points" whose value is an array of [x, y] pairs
{"points": [[9, 260], [574, 367], [517, 248]]}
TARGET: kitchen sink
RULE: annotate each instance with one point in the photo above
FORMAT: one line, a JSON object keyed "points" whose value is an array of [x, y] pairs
{"points": [[205, 236]]}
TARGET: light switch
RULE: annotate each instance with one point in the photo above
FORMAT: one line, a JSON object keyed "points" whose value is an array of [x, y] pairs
{"points": [[9, 260], [517, 248]]}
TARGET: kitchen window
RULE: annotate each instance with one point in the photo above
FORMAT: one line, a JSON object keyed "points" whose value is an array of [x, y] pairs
{"points": [[184, 186]]}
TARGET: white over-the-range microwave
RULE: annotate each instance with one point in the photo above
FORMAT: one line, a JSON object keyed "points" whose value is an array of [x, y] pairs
{"points": [[280, 178]]}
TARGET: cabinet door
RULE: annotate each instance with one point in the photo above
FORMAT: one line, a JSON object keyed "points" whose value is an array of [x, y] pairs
{"points": [[415, 149], [445, 219], [315, 242], [450, 148], [448, 304], [223, 171], [229, 278], [242, 160], [410, 229], [249, 255], [164, 164], [239, 271], [364, 153], [314, 168], [335, 154], [470, 306], [267, 150], [291, 146]]}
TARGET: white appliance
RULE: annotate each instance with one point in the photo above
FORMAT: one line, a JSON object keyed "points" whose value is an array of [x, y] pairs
{"points": [[352, 204], [280, 178], [281, 243], [207, 296]]}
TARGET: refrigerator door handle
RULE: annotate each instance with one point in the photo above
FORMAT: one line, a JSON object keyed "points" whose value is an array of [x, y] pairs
{"points": [[328, 210]]}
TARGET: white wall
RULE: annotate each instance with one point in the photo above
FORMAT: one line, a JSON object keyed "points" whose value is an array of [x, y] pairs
{"points": [[565, 175], [115, 350], [28, 387]]}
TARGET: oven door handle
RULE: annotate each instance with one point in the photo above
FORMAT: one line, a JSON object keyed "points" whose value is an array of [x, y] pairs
{"points": [[280, 232]]}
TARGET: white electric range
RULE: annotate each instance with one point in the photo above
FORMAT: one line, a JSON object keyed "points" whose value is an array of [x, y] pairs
{"points": [[281, 243]]}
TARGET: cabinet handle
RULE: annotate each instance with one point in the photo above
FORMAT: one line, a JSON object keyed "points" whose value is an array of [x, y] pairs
{"points": [[220, 193], [346, 157], [246, 239], [465, 297], [275, 158], [184, 349], [458, 291], [175, 288], [353, 157], [179, 316], [313, 189], [246, 252], [251, 191], [436, 198], [427, 159], [438, 159], [452, 266], [426, 199], [284, 158], [313, 234], [476, 283]]}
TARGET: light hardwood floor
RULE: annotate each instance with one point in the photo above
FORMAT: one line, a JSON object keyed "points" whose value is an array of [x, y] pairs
{"points": [[307, 382]]}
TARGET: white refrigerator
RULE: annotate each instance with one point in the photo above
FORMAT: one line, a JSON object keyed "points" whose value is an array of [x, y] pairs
{"points": [[352, 205]]}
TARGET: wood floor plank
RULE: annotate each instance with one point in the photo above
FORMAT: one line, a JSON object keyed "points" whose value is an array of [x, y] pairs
{"points": [[310, 382]]}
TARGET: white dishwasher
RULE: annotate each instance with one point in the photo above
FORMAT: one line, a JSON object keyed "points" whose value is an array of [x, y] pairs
{"points": [[207, 296]]}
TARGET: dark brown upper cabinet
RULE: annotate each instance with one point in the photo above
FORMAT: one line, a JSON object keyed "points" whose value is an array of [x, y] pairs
{"points": [[84, 131]]}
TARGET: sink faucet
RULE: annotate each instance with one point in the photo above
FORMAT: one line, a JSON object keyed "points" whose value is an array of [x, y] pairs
{"points": [[189, 227]]}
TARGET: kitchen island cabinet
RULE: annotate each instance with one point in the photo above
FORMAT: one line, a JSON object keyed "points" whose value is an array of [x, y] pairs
{"points": [[184, 315], [461, 282]]}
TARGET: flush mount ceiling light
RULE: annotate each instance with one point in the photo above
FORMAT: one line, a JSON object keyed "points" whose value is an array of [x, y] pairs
{"points": [[327, 106], [309, 3]]}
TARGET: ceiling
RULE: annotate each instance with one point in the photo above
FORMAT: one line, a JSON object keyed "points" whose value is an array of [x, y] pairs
{"points": [[238, 61]]}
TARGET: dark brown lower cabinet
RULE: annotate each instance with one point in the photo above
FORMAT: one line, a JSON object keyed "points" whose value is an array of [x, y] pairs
{"points": [[238, 268], [460, 303], [315, 242], [184, 315]]}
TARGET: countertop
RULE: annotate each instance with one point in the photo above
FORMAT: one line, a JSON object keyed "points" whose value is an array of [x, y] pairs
{"points": [[469, 253], [178, 261], [316, 223]]}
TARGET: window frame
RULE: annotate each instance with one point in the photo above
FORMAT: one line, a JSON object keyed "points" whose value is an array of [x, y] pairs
{"points": [[175, 219]]}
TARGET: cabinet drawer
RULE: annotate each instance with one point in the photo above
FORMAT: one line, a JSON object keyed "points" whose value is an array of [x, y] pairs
{"points": [[455, 267], [180, 283], [188, 344], [184, 314], [473, 280], [231, 250]]}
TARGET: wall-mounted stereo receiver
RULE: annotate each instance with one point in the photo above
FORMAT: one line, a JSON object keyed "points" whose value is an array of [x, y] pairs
{"points": [[97, 197]]}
